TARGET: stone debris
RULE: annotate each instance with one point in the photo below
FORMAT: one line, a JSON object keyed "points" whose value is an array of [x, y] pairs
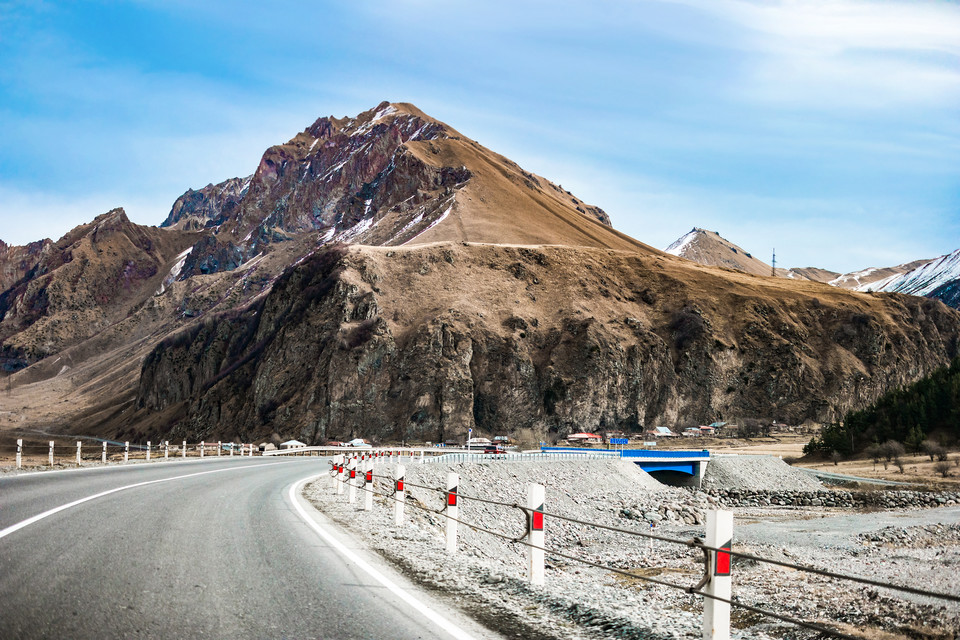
{"points": [[580, 601], [756, 472]]}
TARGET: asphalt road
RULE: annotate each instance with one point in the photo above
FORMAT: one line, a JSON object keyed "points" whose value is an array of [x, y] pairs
{"points": [[212, 549]]}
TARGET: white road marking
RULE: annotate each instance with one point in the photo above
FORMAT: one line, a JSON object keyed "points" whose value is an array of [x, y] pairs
{"points": [[424, 610], [46, 514]]}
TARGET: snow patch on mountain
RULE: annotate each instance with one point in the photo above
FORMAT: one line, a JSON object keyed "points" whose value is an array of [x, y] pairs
{"points": [[923, 280], [679, 246]]}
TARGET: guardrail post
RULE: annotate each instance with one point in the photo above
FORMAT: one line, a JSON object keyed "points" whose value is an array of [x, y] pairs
{"points": [[183, 452], [78, 453], [231, 449], [421, 456], [340, 470], [453, 480], [148, 451], [103, 456], [219, 444], [352, 493], [126, 451], [202, 447], [166, 449], [335, 470], [51, 453], [400, 495], [535, 536], [19, 452], [716, 614], [368, 485]]}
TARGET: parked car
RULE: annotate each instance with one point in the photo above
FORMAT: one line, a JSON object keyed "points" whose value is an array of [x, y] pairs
{"points": [[494, 448]]}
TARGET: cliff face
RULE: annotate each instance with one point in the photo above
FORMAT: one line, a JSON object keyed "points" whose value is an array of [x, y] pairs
{"points": [[89, 279], [426, 342]]}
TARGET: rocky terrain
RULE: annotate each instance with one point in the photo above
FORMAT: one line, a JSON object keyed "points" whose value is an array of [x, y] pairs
{"points": [[583, 602], [547, 338], [385, 276], [938, 279]]}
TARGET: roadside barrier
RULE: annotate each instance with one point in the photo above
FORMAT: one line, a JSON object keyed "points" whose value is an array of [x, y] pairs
{"points": [[715, 585], [53, 453]]}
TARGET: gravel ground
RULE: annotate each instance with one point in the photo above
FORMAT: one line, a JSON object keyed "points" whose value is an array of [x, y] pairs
{"points": [[756, 472], [578, 601]]}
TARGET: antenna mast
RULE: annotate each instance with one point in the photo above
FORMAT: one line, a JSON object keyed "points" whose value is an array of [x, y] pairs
{"points": [[773, 269]]}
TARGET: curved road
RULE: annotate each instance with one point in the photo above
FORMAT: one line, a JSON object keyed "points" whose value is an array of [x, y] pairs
{"points": [[210, 548]]}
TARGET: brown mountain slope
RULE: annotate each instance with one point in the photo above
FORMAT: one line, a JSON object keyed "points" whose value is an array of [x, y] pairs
{"points": [[425, 342], [709, 248], [87, 281], [390, 176]]}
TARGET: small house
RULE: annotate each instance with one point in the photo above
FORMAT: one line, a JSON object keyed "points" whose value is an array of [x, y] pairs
{"points": [[292, 444]]}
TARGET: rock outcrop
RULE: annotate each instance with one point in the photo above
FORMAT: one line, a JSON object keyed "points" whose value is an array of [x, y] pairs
{"points": [[425, 342]]}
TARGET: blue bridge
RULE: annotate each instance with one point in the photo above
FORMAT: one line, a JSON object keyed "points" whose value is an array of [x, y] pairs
{"points": [[692, 463]]}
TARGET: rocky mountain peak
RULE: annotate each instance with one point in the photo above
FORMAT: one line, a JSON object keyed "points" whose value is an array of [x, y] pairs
{"points": [[390, 175]]}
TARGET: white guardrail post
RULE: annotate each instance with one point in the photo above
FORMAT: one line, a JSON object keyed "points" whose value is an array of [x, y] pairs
{"points": [[368, 485], [716, 614], [51, 453], [453, 480], [126, 451], [103, 456], [535, 536], [183, 452], [78, 453], [19, 452], [219, 447], [342, 461], [351, 481], [231, 449], [400, 495], [148, 451], [335, 470], [166, 449], [203, 445]]}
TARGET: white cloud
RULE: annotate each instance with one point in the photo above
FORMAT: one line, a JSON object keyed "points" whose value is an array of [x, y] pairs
{"points": [[846, 53]]}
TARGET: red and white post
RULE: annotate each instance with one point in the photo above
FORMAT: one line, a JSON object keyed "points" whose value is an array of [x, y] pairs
{"points": [[716, 614], [400, 495], [341, 467], [453, 511], [535, 536], [368, 485], [351, 481]]}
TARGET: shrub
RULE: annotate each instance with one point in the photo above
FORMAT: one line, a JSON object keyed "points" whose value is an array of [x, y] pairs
{"points": [[943, 468]]}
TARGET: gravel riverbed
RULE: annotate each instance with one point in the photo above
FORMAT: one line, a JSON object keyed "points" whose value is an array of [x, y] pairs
{"points": [[487, 575]]}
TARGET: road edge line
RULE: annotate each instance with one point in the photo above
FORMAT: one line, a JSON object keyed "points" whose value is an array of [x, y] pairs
{"points": [[424, 610]]}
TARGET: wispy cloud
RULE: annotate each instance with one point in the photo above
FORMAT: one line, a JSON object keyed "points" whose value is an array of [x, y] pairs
{"points": [[846, 53]]}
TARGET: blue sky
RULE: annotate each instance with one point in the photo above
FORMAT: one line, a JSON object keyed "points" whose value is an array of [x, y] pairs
{"points": [[829, 130]]}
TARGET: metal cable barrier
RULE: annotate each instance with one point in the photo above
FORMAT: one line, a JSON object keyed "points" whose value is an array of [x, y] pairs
{"points": [[694, 543]]}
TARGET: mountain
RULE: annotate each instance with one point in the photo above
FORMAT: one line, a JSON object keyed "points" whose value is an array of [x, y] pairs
{"points": [[390, 176], [386, 276], [920, 277], [708, 247], [424, 342], [938, 279], [868, 279]]}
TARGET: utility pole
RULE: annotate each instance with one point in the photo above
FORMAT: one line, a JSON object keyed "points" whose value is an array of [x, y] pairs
{"points": [[773, 269]]}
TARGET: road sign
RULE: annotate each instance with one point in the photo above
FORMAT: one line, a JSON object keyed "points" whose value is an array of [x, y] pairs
{"points": [[618, 440]]}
